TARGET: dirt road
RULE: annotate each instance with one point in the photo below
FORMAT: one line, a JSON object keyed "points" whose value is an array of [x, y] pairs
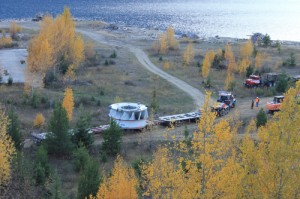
{"points": [[196, 94]]}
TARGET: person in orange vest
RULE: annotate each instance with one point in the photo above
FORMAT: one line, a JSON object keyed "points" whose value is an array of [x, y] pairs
{"points": [[257, 101]]}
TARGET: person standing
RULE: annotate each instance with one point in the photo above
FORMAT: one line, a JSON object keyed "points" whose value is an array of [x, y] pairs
{"points": [[252, 104], [257, 101]]}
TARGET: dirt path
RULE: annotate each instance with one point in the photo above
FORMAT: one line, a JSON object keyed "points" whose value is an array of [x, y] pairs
{"points": [[196, 94]]}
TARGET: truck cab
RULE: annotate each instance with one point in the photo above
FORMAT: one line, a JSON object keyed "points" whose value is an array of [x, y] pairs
{"points": [[275, 105], [227, 98]]}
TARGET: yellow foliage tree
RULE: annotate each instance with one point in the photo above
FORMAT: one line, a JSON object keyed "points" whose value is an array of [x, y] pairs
{"points": [[58, 43], [89, 50], [188, 55], [229, 80], [211, 55], [68, 102], [206, 64], [229, 56], [172, 42], [7, 149], [14, 29], [163, 43], [39, 120], [77, 51], [166, 65], [163, 176], [220, 52], [278, 152], [5, 41], [246, 50], [259, 60], [117, 99], [121, 184], [40, 58], [228, 52], [243, 65]]}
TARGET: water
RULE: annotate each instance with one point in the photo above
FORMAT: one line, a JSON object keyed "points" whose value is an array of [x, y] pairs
{"points": [[206, 18]]}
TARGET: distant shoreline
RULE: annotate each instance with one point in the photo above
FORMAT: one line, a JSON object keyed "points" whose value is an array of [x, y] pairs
{"points": [[123, 28]]}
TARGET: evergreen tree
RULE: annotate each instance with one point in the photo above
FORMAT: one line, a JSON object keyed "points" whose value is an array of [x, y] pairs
{"points": [[282, 83], [14, 130], [81, 157], [89, 180], [81, 133], [154, 103], [42, 167], [59, 141], [267, 40], [261, 118], [249, 71], [112, 139]]}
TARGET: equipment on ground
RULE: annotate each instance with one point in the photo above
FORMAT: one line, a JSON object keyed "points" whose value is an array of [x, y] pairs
{"points": [[129, 115], [275, 105], [226, 101], [221, 109], [227, 98]]}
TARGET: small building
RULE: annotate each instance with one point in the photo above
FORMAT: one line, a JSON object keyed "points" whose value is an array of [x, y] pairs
{"points": [[129, 115]]}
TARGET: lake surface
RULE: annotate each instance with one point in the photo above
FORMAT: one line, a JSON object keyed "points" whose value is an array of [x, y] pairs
{"points": [[206, 18]]}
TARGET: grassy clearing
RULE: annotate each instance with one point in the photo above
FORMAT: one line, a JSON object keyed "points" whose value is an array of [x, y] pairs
{"points": [[192, 74]]}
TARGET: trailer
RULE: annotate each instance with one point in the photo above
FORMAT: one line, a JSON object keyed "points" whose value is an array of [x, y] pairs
{"points": [[179, 118]]}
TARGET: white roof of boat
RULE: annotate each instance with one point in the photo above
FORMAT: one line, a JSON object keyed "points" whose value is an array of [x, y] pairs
{"points": [[128, 106]]}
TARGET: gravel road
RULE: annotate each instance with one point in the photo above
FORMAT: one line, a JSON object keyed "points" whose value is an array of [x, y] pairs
{"points": [[196, 94]]}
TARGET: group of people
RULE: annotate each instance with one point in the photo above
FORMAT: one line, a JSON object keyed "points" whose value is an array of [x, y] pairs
{"points": [[256, 102]]}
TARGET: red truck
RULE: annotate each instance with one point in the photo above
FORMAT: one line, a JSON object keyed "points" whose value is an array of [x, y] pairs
{"points": [[267, 79]]}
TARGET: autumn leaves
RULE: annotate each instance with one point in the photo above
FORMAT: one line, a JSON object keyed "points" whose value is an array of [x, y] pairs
{"points": [[7, 149], [56, 48]]}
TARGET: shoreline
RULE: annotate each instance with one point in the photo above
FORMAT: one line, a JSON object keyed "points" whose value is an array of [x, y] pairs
{"points": [[151, 32]]}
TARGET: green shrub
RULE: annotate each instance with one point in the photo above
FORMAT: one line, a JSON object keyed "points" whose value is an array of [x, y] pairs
{"points": [[249, 71], [261, 118], [291, 61], [89, 180], [112, 139], [113, 55], [10, 81], [98, 103], [80, 158], [137, 166], [282, 83], [42, 168], [266, 40], [35, 100]]}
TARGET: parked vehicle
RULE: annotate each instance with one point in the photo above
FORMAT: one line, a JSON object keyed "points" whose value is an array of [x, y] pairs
{"points": [[252, 81], [226, 101], [220, 108], [267, 79], [227, 98], [275, 105]]}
